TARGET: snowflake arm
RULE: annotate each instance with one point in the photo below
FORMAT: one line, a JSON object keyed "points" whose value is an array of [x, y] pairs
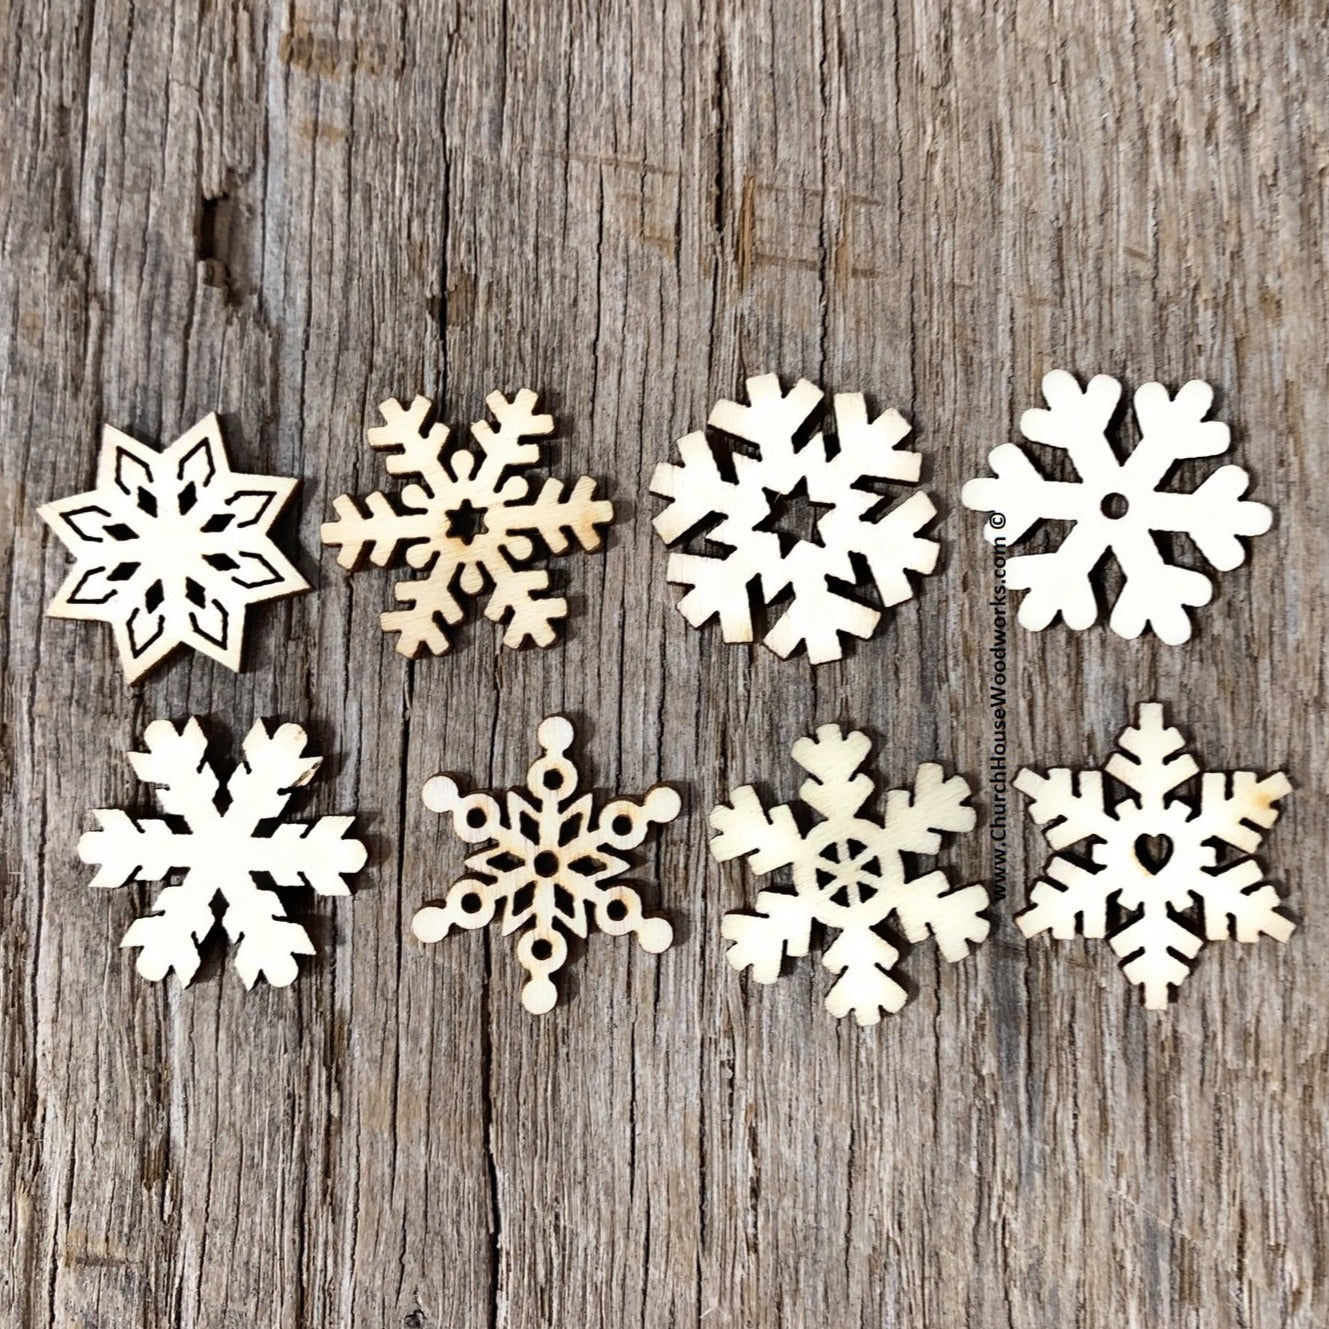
{"points": [[503, 447], [771, 840], [377, 530], [1068, 898], [1067, 804], [171, 548], [410, 444], [170, 935], [865, 988], [1238, 903], [274, 766], [916, 818], [838, 789], [1236, 808], [266, 942], [951, 914], [126, 849], [1022, 495], [1155, 951], [781, 926], [1151, 758]]}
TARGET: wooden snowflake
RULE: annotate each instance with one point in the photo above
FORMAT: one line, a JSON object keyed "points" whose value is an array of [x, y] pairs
{"points": [[850, 873], [732, 496], [551, 865], [219, 846], [468, 524], [1148, 877], [1117, 506], [171, 547]]}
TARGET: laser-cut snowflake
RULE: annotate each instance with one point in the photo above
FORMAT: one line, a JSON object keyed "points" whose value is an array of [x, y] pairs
{"points": [[171, 547], [1117, 506], [219, 850], [551, 865], [855, 543], [1153, 856], [848, 873], [467, 524]]}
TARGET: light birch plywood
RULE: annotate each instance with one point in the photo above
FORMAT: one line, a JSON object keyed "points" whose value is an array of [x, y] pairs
{"points": [[849, 874], [1118, 506], [551, 865], [215, 846], [1143, 867], [171, 547], [861, 543], [463, 523]]}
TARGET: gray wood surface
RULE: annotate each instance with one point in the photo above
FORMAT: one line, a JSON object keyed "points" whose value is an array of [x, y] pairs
{"points": [[289, 216]]}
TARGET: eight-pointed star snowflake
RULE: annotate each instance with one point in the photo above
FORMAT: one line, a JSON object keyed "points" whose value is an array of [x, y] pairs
{"points": [[1117, 506], [219, 850], [855, 542], [849, 873], [171, 547], [551, 865], [468, 524], [1154, 856]]}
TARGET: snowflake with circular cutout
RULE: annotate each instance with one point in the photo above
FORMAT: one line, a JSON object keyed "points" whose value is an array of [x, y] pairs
{"points": [[551, 865], [1117, 507], [850, 873]]}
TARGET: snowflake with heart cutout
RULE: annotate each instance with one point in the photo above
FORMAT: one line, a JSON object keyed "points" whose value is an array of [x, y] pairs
{"points": [[1154, 856], [857, 544], [468, 524], [219, 849], [849, 873], [1117, 507], [551, 866], [171, 547]]}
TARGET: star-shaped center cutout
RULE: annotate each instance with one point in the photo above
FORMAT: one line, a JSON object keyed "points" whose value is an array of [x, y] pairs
{"points": [[794, 517]]}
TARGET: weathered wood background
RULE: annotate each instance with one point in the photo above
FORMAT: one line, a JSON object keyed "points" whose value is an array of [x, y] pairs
{"points": [[290, 216]]}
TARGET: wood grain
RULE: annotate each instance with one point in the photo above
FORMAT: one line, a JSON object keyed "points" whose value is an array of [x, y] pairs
{"points": [[288, 215]]}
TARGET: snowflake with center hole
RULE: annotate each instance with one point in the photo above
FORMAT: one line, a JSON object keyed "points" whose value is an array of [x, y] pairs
{"points": [[219, 849], [856, 543], [1154, 855], [171, 547], [551, 866], [1117, 507], [469, 524], [849, 873]]}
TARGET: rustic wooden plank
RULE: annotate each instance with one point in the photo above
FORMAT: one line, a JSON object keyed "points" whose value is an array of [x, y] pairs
{"points": [[290, 216]]}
